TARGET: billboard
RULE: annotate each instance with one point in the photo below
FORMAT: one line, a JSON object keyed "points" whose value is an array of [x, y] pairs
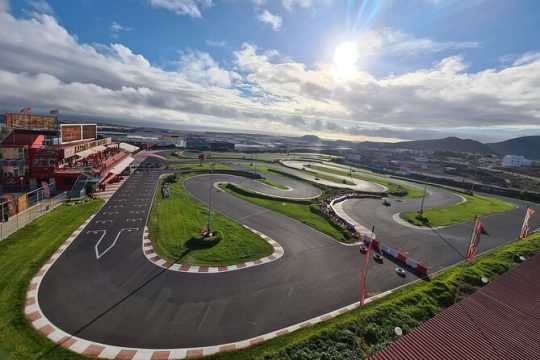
{"points": [[89, 131], [31, 122], [70, 133], [77, 132]]}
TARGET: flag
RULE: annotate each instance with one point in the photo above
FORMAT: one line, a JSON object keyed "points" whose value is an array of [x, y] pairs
{"points": [[26, 110], [364, 270], [475, 239], [525, 227], [54, 112]]}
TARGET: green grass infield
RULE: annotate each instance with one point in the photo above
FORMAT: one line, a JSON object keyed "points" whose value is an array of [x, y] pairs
{"points": [[174, 221]]}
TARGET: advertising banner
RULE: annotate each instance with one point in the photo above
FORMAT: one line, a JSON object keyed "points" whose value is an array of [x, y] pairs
{"points": [[77, 132], [31, 122]]}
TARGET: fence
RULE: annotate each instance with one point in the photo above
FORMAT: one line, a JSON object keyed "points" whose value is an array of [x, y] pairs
{"points": [[37, 207]]}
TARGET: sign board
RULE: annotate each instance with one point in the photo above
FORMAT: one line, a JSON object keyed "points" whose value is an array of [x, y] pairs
{"points": [[70, 133], [89, 131], [77, 132], [22, 203], [31, 122]]}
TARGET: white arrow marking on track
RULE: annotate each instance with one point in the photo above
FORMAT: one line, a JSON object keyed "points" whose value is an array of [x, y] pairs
{"points": [[98, 255]]}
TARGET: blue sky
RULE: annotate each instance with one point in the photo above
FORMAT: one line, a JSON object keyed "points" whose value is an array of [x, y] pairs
{"points": [[425, 68]]}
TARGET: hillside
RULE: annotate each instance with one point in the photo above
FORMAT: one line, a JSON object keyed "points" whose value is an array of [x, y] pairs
{"points": [[446, 144], [528, 146]]}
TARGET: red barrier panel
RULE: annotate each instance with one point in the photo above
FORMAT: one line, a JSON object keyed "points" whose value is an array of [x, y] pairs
{"points": [[402, 258], [422, 269]]}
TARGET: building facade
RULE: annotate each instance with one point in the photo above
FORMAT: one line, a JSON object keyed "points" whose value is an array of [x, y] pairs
{"points": [[38, 150]]}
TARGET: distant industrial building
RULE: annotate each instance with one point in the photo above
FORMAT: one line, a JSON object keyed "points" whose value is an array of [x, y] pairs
{"points": [[176, 140], [515, 161]]}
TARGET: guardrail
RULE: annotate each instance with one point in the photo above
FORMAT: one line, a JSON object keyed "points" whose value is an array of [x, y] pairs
{"points": [[25, 217]]}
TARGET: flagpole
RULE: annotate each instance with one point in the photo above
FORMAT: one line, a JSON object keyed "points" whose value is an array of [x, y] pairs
{"points": [[517, 243], [364, 272], [362, 289], [464, 262]]}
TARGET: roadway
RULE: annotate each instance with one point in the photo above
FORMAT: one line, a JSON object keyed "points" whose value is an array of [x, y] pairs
{"points": [[116, 296], [103, 289]]}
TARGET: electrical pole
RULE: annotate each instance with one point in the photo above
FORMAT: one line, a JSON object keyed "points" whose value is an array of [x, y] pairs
{"points": [[210, 203], [421, 212]]}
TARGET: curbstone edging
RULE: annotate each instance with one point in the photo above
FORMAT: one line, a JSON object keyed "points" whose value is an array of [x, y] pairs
{"points": [[152, 256]]}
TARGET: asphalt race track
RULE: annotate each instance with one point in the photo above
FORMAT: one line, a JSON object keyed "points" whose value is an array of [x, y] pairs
{"points": [[103, 288], [436, 248]]}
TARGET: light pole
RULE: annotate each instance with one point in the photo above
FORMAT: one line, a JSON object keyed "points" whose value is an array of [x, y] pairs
{"points": [[210, 203], [474, 179], [421, 211]]}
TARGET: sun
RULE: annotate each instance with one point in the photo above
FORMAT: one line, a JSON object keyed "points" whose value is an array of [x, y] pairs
{"points": [[346, 54], [345, 58]]}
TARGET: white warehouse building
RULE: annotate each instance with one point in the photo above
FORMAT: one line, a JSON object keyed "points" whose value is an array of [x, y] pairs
{"points": [[515, 161]]}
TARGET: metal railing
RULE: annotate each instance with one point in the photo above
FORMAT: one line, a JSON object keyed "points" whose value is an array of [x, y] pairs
{"points": [[40, 207]]}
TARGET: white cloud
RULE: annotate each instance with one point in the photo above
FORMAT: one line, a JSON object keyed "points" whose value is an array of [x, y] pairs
{"points": [[399, 43], [182, 7], [291, 4], [116, 28], [216, 43], [267, 17], [201, 68], [41, 63], [41, 6]]}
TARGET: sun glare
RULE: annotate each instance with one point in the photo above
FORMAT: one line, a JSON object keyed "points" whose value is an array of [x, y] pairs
{"points": [[345, 57]]}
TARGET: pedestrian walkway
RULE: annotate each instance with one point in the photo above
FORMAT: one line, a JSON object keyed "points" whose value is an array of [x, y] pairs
{"points": [[109, 190]]}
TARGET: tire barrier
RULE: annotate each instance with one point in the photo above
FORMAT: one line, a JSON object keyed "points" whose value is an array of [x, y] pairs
{"points": [[327, 208], [405, 260]]}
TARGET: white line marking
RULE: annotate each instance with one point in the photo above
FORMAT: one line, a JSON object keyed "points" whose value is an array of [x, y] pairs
{"points": [[103, 221], [98, 255]]}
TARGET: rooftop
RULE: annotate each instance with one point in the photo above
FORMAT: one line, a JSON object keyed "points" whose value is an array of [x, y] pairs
{"points": [[499, 321]]}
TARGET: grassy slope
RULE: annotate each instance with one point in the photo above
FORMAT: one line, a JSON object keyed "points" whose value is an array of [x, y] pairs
{"points": [[407, 308], [21, 256], [412, 192], [174, 220], [298, 211], [453, 214]]}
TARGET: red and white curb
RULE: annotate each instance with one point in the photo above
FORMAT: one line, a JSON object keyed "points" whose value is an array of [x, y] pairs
{"points": [[151, 255], [84, 347]]}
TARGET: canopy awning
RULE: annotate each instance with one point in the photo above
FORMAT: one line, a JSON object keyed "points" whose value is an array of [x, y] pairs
{"points": [[128, 147], [85, 153], [122, 165]]}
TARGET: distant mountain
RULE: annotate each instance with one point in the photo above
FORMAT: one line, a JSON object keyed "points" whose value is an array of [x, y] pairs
{"points": [[310, 138], [528, 146], [446, 144]]}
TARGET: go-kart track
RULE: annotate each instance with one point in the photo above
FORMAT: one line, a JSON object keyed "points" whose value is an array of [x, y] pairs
{"points": [[99, 295]]}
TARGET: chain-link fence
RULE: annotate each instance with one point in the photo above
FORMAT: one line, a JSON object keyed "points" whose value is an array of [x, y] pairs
{"points": [[37, 206]]}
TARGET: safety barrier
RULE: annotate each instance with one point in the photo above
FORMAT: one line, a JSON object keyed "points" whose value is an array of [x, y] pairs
{"points": [[405, 260]]}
